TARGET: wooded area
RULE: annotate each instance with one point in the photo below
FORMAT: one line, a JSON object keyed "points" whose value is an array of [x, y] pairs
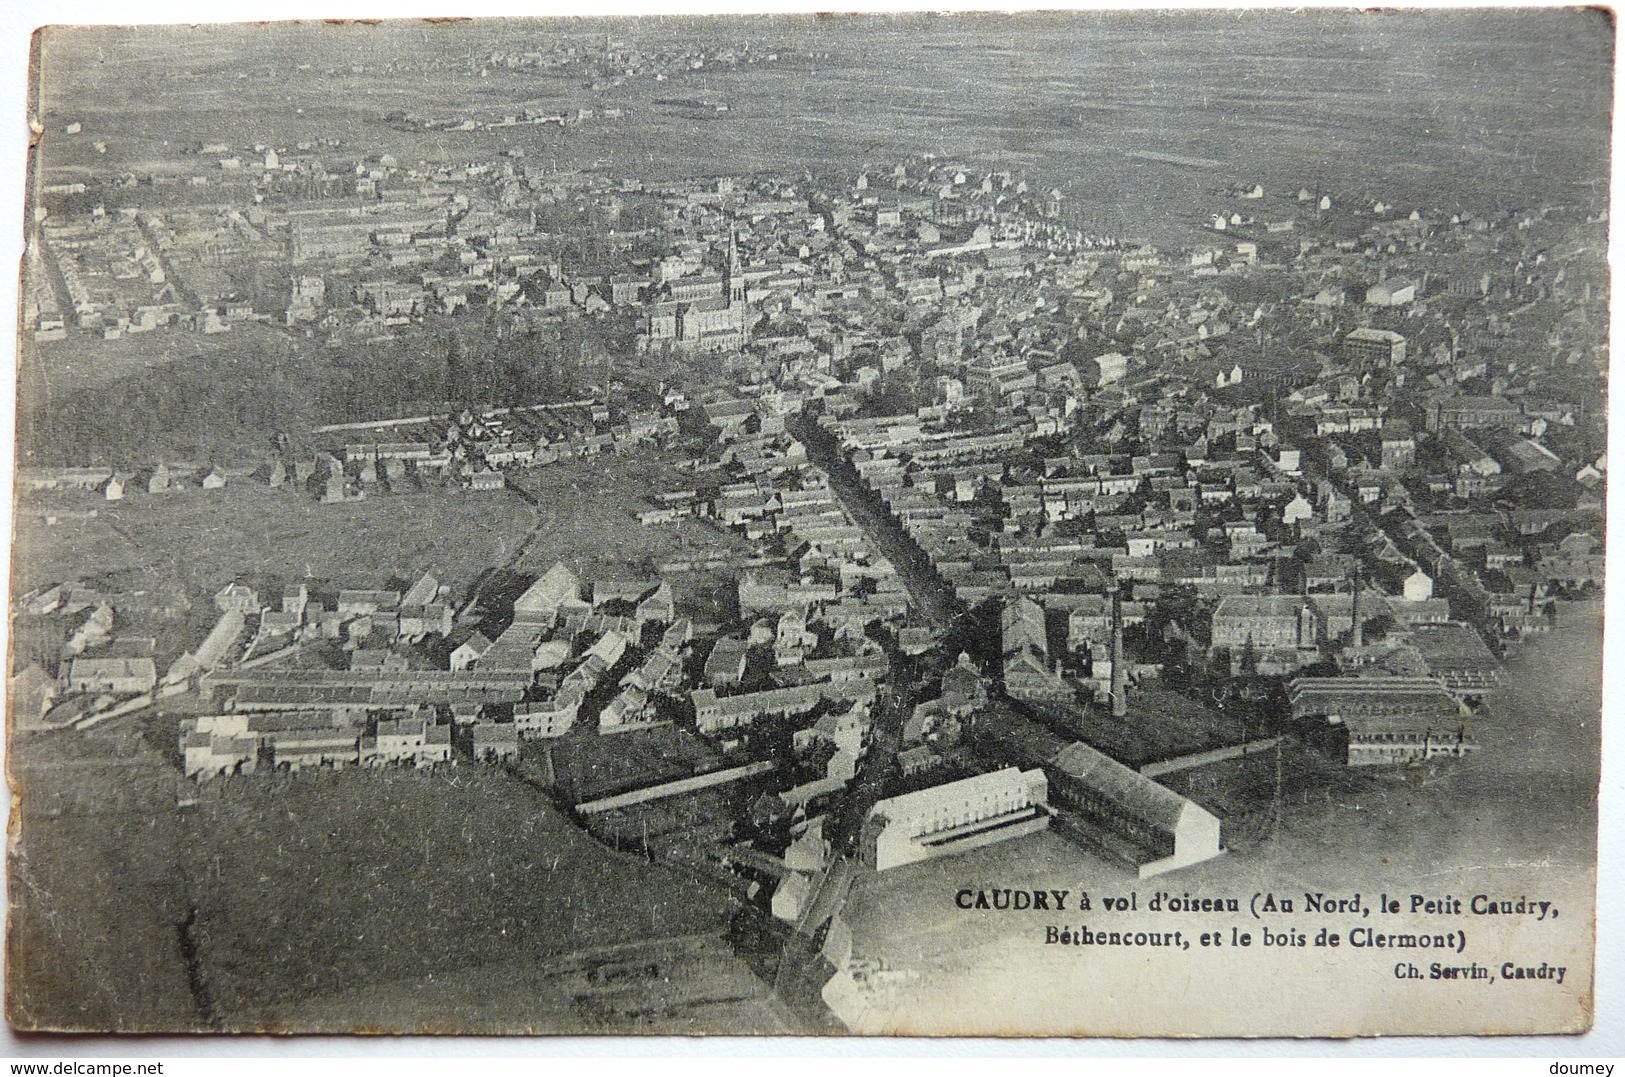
{"points": [[230, 401]]}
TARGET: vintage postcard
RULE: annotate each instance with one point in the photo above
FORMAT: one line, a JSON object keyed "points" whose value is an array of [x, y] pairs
{"points": [[1082, 523]]}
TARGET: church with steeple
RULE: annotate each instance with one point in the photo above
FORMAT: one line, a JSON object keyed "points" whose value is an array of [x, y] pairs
{"points": [[720, 324]]}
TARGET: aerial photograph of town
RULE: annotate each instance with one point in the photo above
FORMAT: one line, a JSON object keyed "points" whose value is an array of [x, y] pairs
{"points": [[1082, 523]]}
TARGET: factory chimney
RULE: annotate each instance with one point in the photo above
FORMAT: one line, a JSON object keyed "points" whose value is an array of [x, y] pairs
{"points": [[1357, 637], [1119, 673]]}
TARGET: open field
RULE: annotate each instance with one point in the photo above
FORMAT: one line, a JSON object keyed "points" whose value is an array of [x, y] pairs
{"points": [[203, 539], [94, 895], [285, 887], [675, 987], [1105, 105]]}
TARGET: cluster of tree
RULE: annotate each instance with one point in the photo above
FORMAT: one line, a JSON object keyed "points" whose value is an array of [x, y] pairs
{"points": [[220, 405], [232, 399]]}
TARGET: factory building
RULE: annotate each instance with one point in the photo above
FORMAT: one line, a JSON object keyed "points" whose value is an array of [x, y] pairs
{"points": [[1107, 807], [955, 817], [1386, 720]]}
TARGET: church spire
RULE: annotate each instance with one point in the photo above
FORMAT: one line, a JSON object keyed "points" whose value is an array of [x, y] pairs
{"points": [[736, 279]]}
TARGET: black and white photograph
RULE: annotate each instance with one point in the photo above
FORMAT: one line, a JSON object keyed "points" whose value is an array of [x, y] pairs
{"points": [[1074, 523]]}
